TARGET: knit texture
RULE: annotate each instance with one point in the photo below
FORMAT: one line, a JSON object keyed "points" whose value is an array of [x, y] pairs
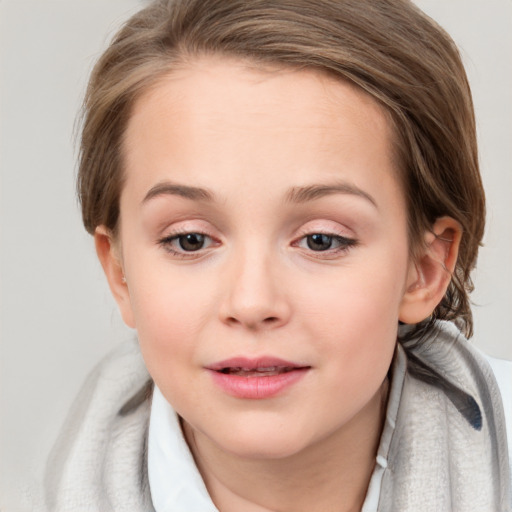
{"points": [[446, 452], [99, 463]]}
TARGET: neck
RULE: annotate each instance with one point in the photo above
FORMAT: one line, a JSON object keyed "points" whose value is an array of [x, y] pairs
{"points": [[331, 475]]}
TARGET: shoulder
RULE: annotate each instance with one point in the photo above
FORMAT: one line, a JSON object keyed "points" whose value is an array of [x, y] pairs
{"points": [[444, 357], [99, 457], [450, 416], [502, 370]]}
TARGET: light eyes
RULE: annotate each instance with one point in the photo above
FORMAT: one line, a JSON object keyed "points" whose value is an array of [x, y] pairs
{"points": [[194, 244]]}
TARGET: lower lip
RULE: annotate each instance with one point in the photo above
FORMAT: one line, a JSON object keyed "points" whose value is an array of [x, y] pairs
{"points": [[257, 388]]}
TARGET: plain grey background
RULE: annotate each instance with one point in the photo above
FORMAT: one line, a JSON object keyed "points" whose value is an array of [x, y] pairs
{"points": [[57, 316]]}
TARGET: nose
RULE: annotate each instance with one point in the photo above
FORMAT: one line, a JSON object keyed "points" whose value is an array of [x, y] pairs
{"points": [[255, 297]]}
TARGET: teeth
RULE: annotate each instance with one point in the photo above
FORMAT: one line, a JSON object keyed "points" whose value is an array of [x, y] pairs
{"points": [[254, 372]]}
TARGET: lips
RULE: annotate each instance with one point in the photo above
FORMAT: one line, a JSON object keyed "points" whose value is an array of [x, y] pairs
{"points": [[259, 378], [257, 372]]}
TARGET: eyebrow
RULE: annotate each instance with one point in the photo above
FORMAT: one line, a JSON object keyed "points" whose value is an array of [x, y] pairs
{"points": [[294, 195], [312, 192], [174, 189]]}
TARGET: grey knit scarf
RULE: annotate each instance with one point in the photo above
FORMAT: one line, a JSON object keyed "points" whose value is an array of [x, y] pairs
{"points": [[446, 452]]}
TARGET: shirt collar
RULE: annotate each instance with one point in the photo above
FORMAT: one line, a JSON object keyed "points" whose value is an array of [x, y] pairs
{"points": [[174, 480]]}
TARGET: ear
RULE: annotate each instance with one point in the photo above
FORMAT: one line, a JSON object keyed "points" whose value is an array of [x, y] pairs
{"points": [[108, 252], [431, 271]]}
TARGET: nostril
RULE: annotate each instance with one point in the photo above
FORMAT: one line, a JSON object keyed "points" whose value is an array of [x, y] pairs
{"points": [[268, 321]]}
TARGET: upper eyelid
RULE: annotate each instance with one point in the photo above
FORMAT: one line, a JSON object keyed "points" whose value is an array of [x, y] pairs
{"points": [[333, 231], [299, 233], [308, 227], [184, 228]]}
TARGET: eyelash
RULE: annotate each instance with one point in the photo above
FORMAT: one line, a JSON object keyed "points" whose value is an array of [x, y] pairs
{"points": [[166, 243], [345, 244]]}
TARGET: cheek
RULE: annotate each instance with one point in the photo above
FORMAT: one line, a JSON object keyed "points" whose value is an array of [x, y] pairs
{"points": [[354, 317], [168, 328], [357, 330], [361, 296], [169, 312], [173, 312]]}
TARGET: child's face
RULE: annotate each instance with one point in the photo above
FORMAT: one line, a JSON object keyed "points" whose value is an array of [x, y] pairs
{"points": [[296, 259]]}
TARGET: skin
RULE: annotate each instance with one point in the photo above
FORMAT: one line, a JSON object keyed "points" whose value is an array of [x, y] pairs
{"points": [[252, 139]]}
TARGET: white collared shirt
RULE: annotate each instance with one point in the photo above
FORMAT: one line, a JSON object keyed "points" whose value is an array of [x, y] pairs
{"points": [[177, 486], [174, 480]]}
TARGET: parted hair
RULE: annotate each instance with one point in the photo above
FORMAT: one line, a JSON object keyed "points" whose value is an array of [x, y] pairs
{"points": [[388, 48]]}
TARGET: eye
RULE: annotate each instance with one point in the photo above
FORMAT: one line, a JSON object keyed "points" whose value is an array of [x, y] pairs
{"points": [[324, 242], [183, 243], [191, 241], [319, 242]]}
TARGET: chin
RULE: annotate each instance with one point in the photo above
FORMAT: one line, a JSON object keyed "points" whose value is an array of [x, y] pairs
{"points": [[273, 442], [265, 449]]}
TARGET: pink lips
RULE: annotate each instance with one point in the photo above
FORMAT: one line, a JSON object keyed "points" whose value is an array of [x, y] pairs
{"points": [[259, 378]]}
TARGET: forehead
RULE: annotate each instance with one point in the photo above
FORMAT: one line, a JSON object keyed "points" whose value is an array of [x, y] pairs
{"points": [[217, 115], [222, 86]]}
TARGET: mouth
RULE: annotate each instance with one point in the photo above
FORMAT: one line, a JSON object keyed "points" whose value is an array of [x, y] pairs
{"points": [[256, 378], [263, 371], [265, 366]]}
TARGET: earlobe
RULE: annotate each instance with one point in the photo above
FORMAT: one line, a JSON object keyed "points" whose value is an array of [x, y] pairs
{"points": [[431, 272], [109, 255]]}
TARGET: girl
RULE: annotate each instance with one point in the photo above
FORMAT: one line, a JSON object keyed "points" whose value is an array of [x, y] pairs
{"points": [[279, 191]]}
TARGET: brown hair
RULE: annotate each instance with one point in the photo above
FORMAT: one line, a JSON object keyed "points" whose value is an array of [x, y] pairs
{"points": [[389, 48]]}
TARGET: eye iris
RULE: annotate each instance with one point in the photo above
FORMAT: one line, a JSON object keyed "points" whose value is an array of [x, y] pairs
{"points": [[319, 242], [191, 241]]}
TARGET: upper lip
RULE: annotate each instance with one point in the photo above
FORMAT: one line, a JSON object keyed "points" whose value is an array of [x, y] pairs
{"points": [[254, 364]]}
